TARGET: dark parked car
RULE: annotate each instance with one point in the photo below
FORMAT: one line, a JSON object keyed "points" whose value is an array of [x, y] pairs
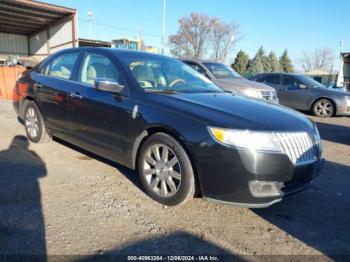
{"points": [[182, 133], [303, 93], [229, 80]]}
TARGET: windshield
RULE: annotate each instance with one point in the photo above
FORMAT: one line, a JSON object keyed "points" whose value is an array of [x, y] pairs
{"points": [[308, 81], [221, 70], [163, 74]]}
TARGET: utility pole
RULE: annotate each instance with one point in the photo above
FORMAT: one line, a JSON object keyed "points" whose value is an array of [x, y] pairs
{"points": [[341, 44], [163, 29], [90, 20]]}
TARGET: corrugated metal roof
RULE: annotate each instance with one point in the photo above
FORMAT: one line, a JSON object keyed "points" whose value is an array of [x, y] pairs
{"points": [[91, 42], [25, 17]]}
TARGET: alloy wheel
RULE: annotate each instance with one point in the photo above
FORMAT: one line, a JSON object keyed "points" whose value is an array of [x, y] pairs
{"points": [[31, 122], [324, 108], [162, 170]]}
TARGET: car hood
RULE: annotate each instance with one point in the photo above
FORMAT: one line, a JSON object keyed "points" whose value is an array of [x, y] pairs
{"points": [[241, 83], [231, 111]]}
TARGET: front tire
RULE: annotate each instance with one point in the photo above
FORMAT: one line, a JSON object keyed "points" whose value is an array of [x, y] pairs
{"points": [[165, 170], [34, 123], [323, 108]]}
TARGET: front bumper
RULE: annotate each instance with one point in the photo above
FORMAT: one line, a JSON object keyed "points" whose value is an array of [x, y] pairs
{"points": [[226, 173], [343, 110]]}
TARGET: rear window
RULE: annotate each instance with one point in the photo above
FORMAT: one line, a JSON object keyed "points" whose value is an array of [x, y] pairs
{"points": [[271, 79], [61, 66]]}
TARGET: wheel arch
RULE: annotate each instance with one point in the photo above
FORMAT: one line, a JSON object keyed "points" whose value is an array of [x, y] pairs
{"points": [[161, 129], [21, 107], [324, 97]]}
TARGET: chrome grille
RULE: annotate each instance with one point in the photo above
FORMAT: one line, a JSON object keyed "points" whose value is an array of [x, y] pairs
{"points": [[299, 146]]}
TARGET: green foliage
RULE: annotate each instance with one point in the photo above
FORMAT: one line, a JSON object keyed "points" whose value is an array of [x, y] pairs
{"points": [[275, 65], [256, 66], [286, 63], [241, 62], [262, 63], [264, 59]]}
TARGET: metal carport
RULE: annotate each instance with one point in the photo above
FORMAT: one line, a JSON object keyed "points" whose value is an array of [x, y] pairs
{"points": [[33, 29]]}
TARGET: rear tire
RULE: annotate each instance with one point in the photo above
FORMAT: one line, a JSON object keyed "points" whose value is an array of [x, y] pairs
{"points": [[323, 108], [34, 123], [165, 170]]}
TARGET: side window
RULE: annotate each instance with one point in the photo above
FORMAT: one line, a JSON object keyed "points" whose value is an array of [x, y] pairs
{"points": [[290, 81], [259, 79], [45, 70], [99, 66], [61, 66], [271, 79]]}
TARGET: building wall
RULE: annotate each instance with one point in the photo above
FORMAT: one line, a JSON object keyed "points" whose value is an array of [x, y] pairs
{"points": [[13, 44], [346, 69], [40, 45], [61, 36]]}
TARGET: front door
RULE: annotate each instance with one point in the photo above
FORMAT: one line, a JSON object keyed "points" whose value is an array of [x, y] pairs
{"points": [[103, 119]]}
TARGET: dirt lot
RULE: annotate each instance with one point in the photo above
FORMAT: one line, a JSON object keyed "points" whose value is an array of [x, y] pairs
{"points": [[58, 200]]}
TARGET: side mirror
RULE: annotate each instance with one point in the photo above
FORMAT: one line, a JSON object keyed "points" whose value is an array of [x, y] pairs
{"points": [[302, 86], [108, 85]]}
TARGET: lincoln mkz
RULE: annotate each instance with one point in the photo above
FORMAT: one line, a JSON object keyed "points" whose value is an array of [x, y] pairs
{"points": [[184, 135]]}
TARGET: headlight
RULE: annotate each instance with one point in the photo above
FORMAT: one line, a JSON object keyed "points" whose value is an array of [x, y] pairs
{"points": [[246, 139], [252, 93], [348, 100]]}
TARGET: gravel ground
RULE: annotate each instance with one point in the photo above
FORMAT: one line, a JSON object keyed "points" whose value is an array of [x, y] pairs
{"points": [[56, 199]]}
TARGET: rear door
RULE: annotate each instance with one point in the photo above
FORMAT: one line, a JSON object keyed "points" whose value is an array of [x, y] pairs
{"points": [[101, 120], [273, 80], [294, 96], [52, 86]]}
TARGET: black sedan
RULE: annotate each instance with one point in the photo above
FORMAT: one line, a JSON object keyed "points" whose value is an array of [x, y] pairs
{"points": [[183, 134]]}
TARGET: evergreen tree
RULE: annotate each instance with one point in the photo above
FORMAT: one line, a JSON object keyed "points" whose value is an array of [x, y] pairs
{"points": [[257, 65], [264, 59], [249, 66], [241, 62], [286, 63], [274, 63]]}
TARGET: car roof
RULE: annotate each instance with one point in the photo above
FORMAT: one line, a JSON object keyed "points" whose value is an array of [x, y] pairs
{"points": [[112, 50], [199, 61], [278, 73]]}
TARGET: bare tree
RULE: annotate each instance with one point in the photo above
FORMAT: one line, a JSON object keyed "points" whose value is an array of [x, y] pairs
{"points": [[200, 35], [193, 36], [321, 58], [224, 38]]}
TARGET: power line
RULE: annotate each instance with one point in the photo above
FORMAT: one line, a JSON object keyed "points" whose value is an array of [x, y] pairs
{"points": [[119, 28]]}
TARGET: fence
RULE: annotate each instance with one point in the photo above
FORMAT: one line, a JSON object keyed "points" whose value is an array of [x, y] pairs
{"points": [[8, 78]]}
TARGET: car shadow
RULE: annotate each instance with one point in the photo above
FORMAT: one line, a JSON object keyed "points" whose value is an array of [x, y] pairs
{"points": [[334, 133], [22, 229], [174, 245], [127, 172], [319, 216]]}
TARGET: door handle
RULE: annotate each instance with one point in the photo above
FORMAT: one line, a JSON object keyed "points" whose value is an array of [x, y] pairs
{"points": [[38, 85], [75, 95]]}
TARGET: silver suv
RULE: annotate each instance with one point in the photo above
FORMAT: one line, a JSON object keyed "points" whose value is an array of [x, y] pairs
{"points": [[229, 80]]}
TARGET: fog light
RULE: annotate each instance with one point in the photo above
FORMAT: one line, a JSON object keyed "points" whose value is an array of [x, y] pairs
{"points": [[265, 188]]}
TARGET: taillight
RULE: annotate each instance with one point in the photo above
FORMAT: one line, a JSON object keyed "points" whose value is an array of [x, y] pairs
{"points": [[21, 87]]}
